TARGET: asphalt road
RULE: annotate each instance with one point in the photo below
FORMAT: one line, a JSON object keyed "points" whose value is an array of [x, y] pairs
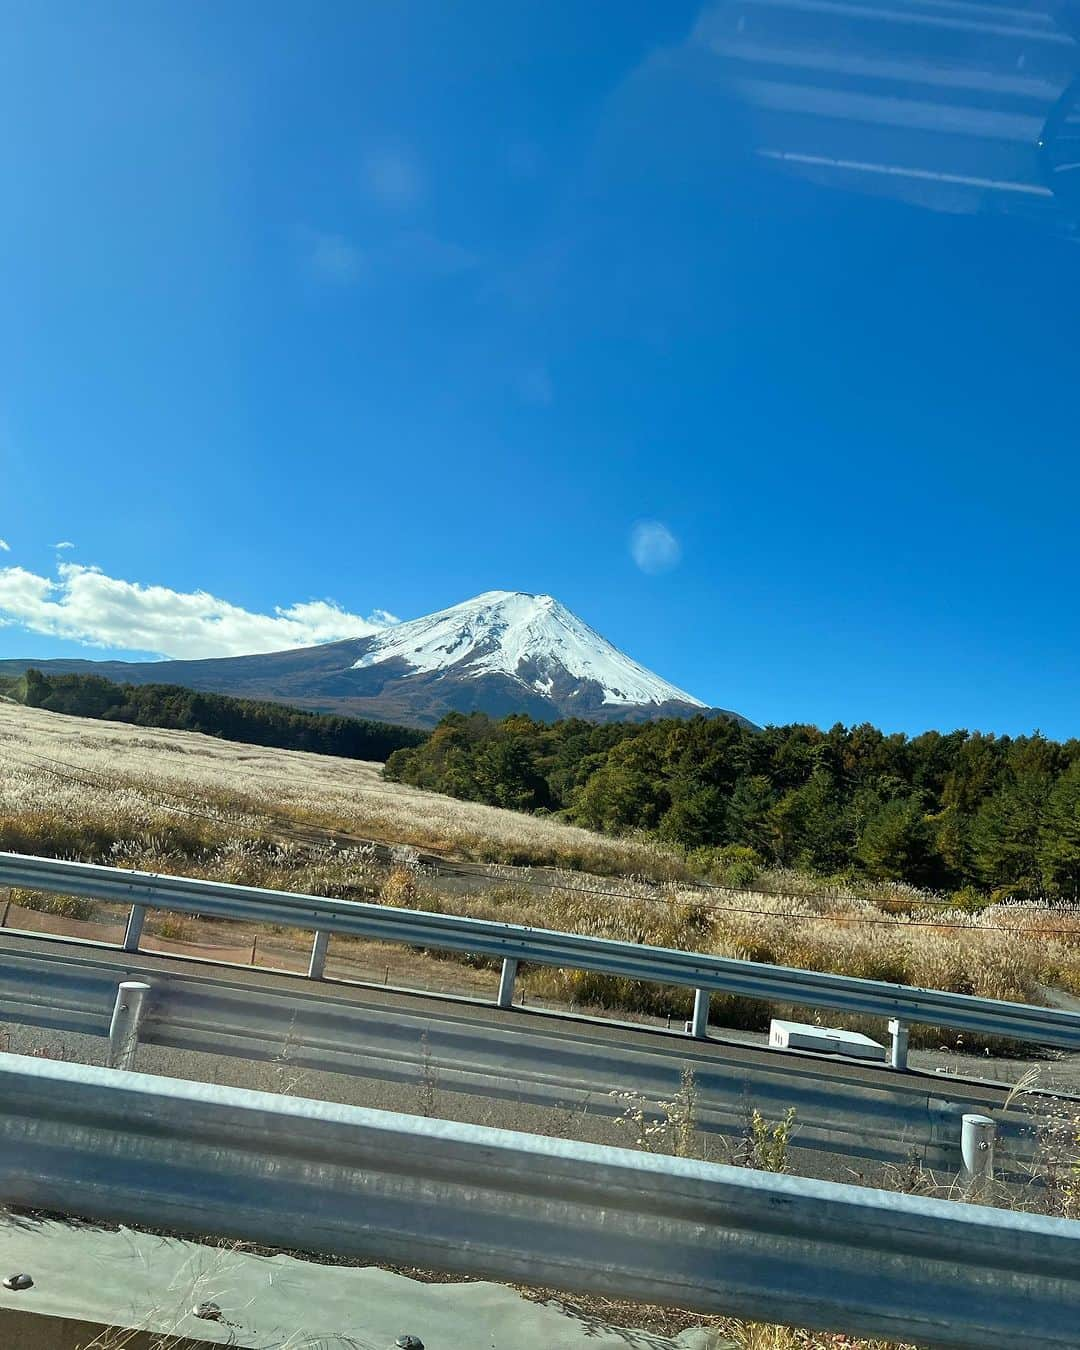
{"points": [[611, 1054]]}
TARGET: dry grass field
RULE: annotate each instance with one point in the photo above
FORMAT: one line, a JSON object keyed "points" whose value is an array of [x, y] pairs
{"points": [[181, 802], [113, 781]]}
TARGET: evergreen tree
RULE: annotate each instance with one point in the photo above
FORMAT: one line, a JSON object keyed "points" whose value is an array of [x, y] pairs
{"points": [[810, 826], [696, 819], [895, 842], [748, 814], [1059, 845]]}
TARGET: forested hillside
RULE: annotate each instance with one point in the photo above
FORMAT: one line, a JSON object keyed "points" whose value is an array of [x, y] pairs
{"points": [[167, 705], [999, 815]]}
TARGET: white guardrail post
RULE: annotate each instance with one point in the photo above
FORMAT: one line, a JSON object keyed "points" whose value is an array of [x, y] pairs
{"points": [[507, 978], [698, 1026], [317, 964], [133, 931], [131, 996], [898, 1049], [977, 1149], [285, 1172]]}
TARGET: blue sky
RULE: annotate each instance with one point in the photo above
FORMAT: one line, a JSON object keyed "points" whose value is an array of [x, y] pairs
{"points": [[388, 305]]}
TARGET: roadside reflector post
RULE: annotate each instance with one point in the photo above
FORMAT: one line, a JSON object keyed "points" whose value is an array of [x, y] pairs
{"points": [[507, 978], [317, 964], [977, 1134], [898, 1052], [133, 932], [698, 1026], [127, 1017]]}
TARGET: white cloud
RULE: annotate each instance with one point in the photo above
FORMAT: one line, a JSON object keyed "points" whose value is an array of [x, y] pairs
{"points": [[85, 605], [394, 178], [64, 543], [653, 547], [332, 258], [5, 547]]}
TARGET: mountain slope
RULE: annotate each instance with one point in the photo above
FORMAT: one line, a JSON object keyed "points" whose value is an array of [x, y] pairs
{"points": [[499, 653]]}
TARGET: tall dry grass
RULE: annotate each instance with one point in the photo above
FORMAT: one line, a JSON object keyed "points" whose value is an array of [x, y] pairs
{"points": [[931, 948], [759, 1336]]}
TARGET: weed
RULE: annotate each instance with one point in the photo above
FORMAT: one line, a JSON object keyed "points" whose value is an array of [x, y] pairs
{"points": [[765, 1144], [172, 928], [401, 888], [289, 1079], [681, 1118], [669, 1126]]}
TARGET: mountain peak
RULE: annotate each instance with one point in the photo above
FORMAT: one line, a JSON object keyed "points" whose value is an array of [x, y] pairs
{"points": [[532, 639], [493, 599]]}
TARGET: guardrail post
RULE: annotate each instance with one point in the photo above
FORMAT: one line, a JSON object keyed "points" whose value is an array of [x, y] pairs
{"points": [[133, 932], [505, 997], [126, 1020], [698, 1026], [977, 1135], [317, 964], [898, 1052]]}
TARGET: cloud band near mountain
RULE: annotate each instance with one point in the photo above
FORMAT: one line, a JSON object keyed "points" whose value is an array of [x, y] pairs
{"points": [[83, 604]]}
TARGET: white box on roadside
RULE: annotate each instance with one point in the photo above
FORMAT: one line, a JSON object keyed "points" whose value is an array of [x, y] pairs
{"points": [[825, 1040]]}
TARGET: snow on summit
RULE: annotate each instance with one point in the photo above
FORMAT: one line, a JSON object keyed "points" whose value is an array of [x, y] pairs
{"points": [[531, 638]]}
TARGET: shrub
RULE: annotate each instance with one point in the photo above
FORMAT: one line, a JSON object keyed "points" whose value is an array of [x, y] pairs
{"points": [[64, 906]]}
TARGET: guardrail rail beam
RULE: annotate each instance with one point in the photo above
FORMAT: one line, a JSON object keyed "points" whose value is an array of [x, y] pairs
{"points": [[286, 1172], [517, 943]]}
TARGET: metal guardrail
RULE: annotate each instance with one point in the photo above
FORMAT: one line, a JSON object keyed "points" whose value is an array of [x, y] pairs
{"points": [[316, 1176], [514, 943], [842, 1108]]}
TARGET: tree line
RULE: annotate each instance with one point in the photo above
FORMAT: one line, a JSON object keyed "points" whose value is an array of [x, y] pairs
{"points": [[231, 719], [997, 814]]}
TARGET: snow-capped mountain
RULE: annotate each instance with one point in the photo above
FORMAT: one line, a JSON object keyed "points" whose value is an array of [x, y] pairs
{"points": [[529, 638], [502, 652]]}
